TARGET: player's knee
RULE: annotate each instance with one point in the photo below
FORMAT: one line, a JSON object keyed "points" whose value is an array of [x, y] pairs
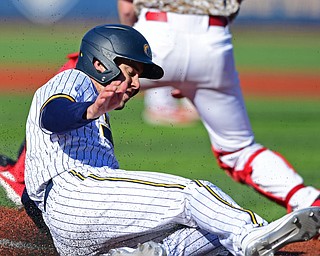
{"points": [[237, 164]]}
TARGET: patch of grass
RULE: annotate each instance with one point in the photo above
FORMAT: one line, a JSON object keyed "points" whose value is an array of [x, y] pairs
{"points": [[25, 44], [277, 48], [13, 113]]}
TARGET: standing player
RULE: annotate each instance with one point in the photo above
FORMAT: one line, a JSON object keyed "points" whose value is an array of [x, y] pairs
{"points": [[192, 42], [91, 206]]}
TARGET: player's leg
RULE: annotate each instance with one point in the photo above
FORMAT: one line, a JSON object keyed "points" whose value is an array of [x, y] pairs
{"points": [[260, 241], [220, 104], [298, 226], [194, 241], [247, 162], [243, 159], [127, 208], [149, 248], [122, 208], [271, 175], [187, 241], [160, 108]]}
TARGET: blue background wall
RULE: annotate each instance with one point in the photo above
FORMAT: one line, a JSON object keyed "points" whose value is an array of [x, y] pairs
{"points": [[82, 9]]}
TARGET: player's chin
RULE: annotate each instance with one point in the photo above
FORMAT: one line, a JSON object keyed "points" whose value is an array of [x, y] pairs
{"points": [[125, 99]]}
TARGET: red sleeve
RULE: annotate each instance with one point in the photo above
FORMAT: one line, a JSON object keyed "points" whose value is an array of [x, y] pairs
{"points": [[71, 63]]}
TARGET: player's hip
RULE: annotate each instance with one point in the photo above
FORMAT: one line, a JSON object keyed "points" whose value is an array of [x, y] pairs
{"points": [[188, 23]]}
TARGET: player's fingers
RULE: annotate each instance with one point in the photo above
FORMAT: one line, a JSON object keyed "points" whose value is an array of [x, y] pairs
{"points": [[116, 86], [111, 87], [122, 88], [111, 95]]}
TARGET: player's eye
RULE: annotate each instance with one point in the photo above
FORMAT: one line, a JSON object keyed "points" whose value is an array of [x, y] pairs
{"points": [[132, 73]]}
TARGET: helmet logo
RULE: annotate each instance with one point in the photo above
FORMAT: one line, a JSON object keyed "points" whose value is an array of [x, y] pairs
{"points": [[147, 50]]}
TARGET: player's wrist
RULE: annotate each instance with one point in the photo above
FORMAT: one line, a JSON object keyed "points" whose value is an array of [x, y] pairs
{"points": [[90, 114]]}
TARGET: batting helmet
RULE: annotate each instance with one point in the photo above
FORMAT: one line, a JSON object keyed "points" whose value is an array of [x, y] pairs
{"points": [[107, 42]]}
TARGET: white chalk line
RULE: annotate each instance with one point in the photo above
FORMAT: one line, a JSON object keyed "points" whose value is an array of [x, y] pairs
{"points": [[21, 245]]}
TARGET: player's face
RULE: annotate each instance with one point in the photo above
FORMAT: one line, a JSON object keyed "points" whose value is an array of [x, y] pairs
{"points": [[130, 72]]}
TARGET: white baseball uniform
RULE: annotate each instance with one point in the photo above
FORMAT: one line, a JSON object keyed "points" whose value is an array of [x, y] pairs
{"points": [[91, 206], [197, 57]]}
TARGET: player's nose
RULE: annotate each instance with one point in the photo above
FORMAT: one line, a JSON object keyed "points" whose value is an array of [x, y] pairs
{"points": [[135, 83]]}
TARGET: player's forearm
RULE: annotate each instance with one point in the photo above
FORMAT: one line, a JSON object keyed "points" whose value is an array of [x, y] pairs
{"points": [[62, 115], [126, 12]]}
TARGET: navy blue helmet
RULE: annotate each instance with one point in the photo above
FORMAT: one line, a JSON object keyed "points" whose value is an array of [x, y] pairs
{"points": [[107, 42]]}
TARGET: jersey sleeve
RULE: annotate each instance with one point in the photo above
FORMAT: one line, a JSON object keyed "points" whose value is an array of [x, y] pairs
{"points": [[64, 100], [61, 114]]}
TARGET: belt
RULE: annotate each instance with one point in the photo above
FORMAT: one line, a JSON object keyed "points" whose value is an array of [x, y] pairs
{"points": [[220, 21]]}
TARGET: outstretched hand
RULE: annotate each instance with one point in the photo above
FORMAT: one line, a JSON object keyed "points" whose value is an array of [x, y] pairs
{"points": [[109, 98]]}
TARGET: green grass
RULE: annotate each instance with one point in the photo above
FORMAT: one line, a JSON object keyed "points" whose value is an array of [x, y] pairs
{"points": [[263, 48], [37, 45], [290, 127], [294, 49]]}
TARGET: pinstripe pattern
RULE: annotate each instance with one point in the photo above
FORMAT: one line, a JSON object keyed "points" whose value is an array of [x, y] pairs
{"points": [[93, 206], [252, 216], [108, 208], [49, 154]]}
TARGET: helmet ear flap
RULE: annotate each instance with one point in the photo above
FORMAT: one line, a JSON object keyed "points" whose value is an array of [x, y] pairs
{"points": [[104, 76], [86, 64]]}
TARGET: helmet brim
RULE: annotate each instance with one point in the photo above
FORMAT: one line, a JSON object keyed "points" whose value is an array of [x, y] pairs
{"points": [[152, 71]]}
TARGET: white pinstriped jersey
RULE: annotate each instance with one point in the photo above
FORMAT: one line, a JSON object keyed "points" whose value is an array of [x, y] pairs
{"points": [[88, 145]]}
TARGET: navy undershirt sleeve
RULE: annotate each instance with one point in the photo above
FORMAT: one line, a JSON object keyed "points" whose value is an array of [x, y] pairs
{"points": [[62, 115]]}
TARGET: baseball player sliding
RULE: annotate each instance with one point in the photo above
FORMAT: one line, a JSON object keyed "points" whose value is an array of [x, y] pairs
{"points": [[91, 206], [192, 42]]}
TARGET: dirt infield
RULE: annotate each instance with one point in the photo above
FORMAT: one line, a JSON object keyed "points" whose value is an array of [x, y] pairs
{"points": [[265, 84], [19, 236]]}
